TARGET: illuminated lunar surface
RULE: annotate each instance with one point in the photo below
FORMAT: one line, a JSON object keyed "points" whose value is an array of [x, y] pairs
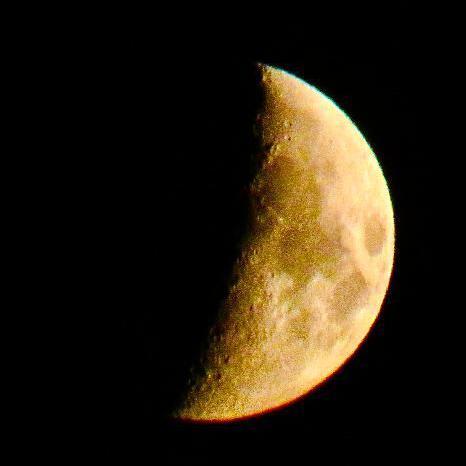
{"points": [[315, 263]]}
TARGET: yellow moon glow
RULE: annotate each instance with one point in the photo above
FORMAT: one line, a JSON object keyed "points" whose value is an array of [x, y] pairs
{"points": [[315, 264]]}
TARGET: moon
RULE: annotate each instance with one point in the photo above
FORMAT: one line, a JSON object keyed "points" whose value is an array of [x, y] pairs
{"points": [[314, 266]]}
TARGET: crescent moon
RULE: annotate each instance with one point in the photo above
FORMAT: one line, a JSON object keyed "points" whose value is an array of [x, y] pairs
{"points": [[315, 264]]}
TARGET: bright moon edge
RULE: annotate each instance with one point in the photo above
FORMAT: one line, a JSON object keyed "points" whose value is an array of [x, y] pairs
{"points": [[314, 268]]}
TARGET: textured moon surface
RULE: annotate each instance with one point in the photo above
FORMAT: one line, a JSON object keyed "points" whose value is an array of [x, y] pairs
{"points": [[314, 266]]}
